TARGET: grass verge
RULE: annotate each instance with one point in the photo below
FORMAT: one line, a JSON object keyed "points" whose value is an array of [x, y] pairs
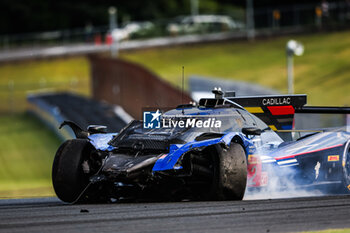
{"points": [[323, 72], [21, 78], [346, 230], [26, 155]]}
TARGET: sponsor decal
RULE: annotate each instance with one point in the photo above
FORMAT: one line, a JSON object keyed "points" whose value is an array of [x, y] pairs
{"points": [[277, 101], [281, 110], [251, 150], [317, 169], [273, 127], [253, 159], [256, 177], [264, 179], [254, 109], [333, 158]]}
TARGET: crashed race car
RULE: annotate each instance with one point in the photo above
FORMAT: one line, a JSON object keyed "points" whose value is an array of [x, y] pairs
{"points": [[212, 150]]}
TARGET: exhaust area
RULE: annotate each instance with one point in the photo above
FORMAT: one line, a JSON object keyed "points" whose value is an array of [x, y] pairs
{"points": [[285, 182]]}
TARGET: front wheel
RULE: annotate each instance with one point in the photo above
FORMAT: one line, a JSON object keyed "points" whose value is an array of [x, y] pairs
{"points": [[231, 175], [68, 177], [346, 168]]}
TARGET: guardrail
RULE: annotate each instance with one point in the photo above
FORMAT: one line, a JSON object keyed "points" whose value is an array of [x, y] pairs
{"points": [[50, 115], [54, 108]]}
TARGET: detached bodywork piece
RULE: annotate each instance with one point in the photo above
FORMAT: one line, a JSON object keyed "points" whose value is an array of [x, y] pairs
{"points": [[194, 162]]}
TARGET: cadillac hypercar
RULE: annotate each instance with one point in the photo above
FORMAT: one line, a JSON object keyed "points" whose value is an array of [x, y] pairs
{"points": [[215, 149]]}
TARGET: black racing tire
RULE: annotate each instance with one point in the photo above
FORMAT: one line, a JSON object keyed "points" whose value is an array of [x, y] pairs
{"points": [[231, 176], [68, 178]]}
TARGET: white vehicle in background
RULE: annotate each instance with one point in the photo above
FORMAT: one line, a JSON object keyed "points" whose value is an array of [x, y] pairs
{"points": [[132, 29], [202, 24]]}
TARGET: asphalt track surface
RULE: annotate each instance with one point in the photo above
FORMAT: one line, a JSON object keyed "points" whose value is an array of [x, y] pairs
{"points": [[276, 215]]}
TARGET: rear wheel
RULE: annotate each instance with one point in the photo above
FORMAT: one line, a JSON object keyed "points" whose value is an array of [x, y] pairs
{"points": [[68, 177]]}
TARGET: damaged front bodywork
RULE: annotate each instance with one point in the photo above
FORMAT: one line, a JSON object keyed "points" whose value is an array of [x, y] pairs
{"points": [[167, 162], [131, 154], [138, 162]]}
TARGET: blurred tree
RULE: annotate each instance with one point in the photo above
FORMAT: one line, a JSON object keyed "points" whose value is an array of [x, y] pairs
{"points": [[22, 16]]}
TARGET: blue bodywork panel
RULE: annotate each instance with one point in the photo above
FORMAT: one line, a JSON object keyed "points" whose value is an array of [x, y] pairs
{"points": [[176, 151], [100, 141]]}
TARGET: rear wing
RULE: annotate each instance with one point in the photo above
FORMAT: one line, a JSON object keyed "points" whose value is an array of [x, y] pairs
{"points": [[323, 110], [277, 111]]}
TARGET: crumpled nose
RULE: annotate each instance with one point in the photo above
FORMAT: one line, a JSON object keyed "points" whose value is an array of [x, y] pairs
{"points": [[125, 164]]}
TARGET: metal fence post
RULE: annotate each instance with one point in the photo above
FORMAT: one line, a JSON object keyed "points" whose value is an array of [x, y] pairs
{"points": [[292, 48], [112, 25], [250, 20], [11, 86], [318, 16], [194, 7], [290, 73]]}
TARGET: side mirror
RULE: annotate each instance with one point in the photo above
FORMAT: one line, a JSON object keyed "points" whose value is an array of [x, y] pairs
{"points": [[251, 131], [92, 129]]}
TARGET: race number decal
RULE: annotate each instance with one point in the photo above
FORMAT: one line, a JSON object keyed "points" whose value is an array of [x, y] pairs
{"points": [[256, 177]]}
